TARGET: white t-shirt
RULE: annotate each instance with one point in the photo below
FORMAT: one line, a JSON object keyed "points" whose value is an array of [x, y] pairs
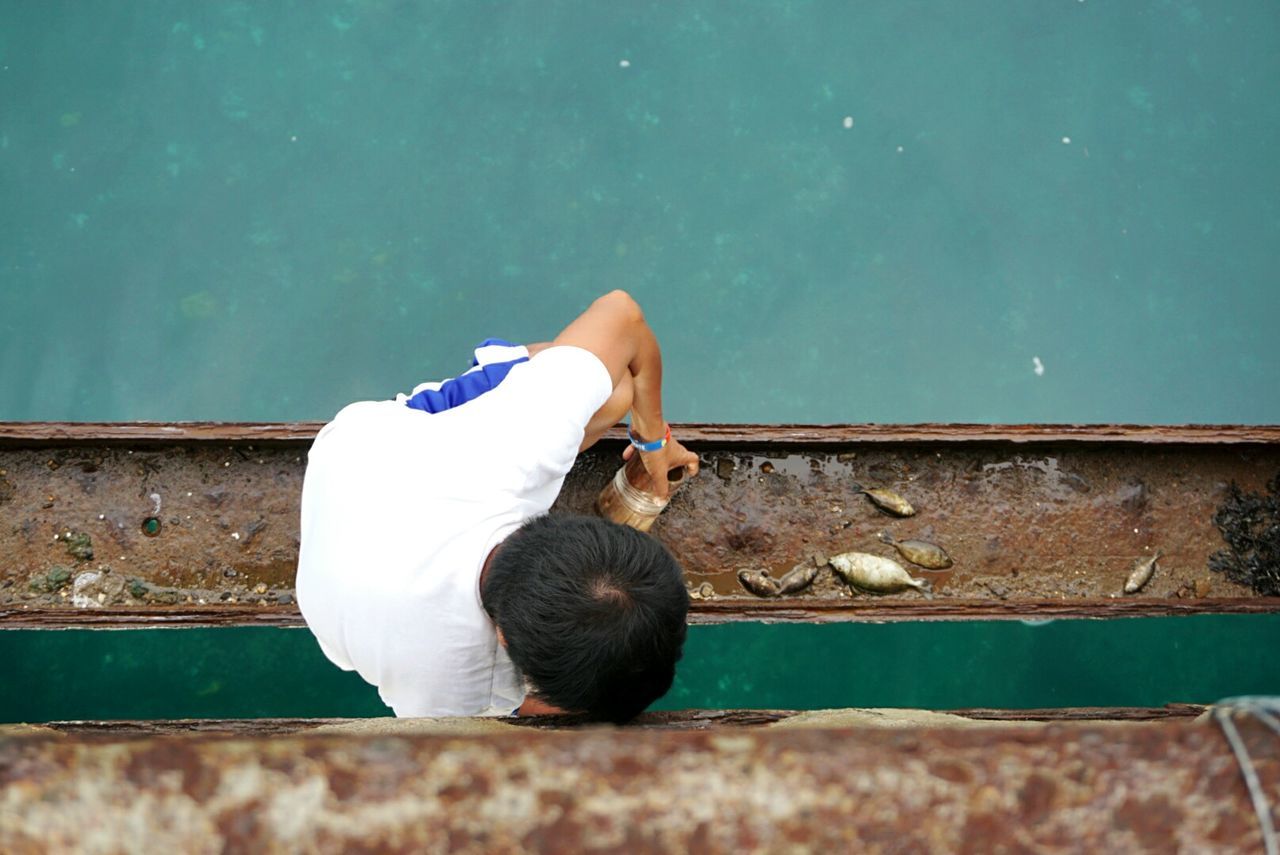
{"points": [[401, 507]]}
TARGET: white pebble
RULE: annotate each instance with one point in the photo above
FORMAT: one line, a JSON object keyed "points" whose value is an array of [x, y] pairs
{"points": [[102, 516], [848, 121], [235, 535]]}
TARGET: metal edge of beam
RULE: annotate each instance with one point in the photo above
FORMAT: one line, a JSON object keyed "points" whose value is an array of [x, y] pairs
{"points": [[47, 433], [700, 613], [687, 719]]}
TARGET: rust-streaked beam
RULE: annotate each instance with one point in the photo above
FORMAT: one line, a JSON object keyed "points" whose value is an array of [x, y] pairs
{"points": [[1041, 520], [1155, 786]]}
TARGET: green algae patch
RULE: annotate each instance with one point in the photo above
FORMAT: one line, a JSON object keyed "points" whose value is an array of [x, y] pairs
{"points": [[79, 545], [52, 581]]}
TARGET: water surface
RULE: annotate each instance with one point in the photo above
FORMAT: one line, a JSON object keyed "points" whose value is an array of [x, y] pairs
{"points": [[884, 211]]}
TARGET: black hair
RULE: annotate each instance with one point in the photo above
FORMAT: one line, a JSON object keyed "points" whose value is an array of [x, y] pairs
{"points": [[593, 613]]}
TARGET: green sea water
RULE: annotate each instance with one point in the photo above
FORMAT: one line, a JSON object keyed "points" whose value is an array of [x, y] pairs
{"points": [[882, 211], [262, 672]]}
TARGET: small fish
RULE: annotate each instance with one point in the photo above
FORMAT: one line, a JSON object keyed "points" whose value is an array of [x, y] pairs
{"points": [[797, 578], [890, 501], [873, 573], [758, 582], [927, 555], [705, 591], [1141, 575]]}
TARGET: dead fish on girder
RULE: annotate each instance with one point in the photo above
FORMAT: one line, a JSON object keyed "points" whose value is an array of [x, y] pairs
{"points": [[705, 591], [922, 552], [797, 578], [758, 582], [888, 500], [873, 573], [1141, 575]]}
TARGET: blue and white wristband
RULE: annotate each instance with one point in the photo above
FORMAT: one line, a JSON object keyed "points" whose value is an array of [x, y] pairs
{"points": [[657, 444]]}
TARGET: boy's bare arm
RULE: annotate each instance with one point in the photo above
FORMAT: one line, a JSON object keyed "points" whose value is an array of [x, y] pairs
{"points": [[535, 348], [614, 329]]}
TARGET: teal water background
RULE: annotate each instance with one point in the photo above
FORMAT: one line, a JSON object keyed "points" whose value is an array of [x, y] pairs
{"points": [[228, 210], [262, 672], [883, 211]]}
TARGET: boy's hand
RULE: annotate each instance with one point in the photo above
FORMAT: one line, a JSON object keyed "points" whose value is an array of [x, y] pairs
{"points": [[658, 463]]}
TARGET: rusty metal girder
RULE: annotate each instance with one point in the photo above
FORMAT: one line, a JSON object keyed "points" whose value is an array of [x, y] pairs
{"points": [[197, 523], [1082, 787]]}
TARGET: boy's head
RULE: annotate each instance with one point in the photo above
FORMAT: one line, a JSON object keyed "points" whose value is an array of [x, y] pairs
{"points": [[593, 613]]}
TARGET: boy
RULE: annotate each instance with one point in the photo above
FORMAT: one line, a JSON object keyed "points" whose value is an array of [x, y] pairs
{"points": [[428, 562]]}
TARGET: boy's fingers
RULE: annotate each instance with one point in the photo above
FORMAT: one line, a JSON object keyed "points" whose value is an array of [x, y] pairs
{"points": [[687, 462], [685, 458], [691, 466], [658, 478]]}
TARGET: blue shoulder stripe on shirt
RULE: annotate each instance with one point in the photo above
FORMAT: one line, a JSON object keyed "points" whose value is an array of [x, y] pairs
{"points": [[459, 390], [489, 342]]}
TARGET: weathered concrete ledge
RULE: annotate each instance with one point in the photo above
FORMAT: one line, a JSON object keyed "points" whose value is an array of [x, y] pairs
{"points": [[196, 524], [1073, 786], [696, 719]]}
